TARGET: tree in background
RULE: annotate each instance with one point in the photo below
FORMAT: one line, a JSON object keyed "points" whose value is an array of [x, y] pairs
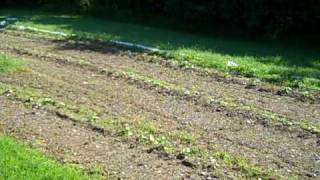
{"points": [[260, 17]]}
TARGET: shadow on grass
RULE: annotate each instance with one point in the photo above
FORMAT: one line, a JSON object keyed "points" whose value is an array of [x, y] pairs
{"points": [[282, 62]]}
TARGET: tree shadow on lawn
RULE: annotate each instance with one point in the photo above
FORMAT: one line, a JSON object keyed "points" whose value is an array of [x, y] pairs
{"points": [[282, 61]]}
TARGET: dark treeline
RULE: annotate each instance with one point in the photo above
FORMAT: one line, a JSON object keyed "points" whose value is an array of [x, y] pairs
{"points": [[254, 17]]}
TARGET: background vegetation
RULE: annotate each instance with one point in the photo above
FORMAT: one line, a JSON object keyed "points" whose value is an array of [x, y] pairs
{"points": [[253, 17]]}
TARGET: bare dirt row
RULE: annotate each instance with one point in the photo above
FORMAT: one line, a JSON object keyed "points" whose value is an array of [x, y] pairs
{"points": [[108, 57], [76, 144], [271, 147]]}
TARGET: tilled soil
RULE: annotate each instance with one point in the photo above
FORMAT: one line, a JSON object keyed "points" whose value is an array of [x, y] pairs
{"points": [[75, 143], [281, 150]]}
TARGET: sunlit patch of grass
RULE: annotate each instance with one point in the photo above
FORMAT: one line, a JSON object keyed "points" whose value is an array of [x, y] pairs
{"points": [[9, 64], [272, 69], [19, 162]]}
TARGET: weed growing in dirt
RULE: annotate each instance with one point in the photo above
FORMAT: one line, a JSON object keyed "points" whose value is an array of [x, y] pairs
{"points": [[182, 144], [20, 162], [315, 129], [35, 99], [148, 81], [9, 64], [182, 136]]}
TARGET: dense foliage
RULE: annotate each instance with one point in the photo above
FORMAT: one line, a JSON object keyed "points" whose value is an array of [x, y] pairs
{"points": [[271, 17]]}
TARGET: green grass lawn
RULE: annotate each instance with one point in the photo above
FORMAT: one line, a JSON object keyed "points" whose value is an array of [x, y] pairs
{"points": [[9, 64], [19, 162], [287, 64]]}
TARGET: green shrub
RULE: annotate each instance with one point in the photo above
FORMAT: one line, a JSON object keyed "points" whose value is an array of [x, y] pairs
{"points": [[255, 17]]}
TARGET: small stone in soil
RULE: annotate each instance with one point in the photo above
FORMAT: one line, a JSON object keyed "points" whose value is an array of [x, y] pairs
{"points": [[150, 150], [86, 143], [131, 146], [140, 164], [203, 173], [188, 164], [180, 156]]}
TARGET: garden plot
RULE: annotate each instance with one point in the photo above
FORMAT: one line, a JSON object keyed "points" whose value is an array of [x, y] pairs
{"points": [[136, 117]]}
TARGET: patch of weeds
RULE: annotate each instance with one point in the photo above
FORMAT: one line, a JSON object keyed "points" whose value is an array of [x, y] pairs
{"points": [[180, 143], [304, 125], [35, 99], [10, 64], [147, 126], [315, 129], [44, 56], [306, 96], [240, 164], [137, 77], [160, 85], [251, 171], [96, 172], [183, 137], [273, 118], [145, 132], [242, 70]]}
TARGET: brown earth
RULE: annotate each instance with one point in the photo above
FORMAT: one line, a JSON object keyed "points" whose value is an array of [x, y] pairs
{"points": [[71, 72], [75, 143]]}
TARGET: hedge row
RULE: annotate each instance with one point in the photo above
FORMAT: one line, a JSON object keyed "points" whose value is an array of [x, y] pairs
{"points": [[271, 17]]}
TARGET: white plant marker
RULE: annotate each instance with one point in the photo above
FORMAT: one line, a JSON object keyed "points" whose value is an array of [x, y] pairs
{"points": [[232, 64]]}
